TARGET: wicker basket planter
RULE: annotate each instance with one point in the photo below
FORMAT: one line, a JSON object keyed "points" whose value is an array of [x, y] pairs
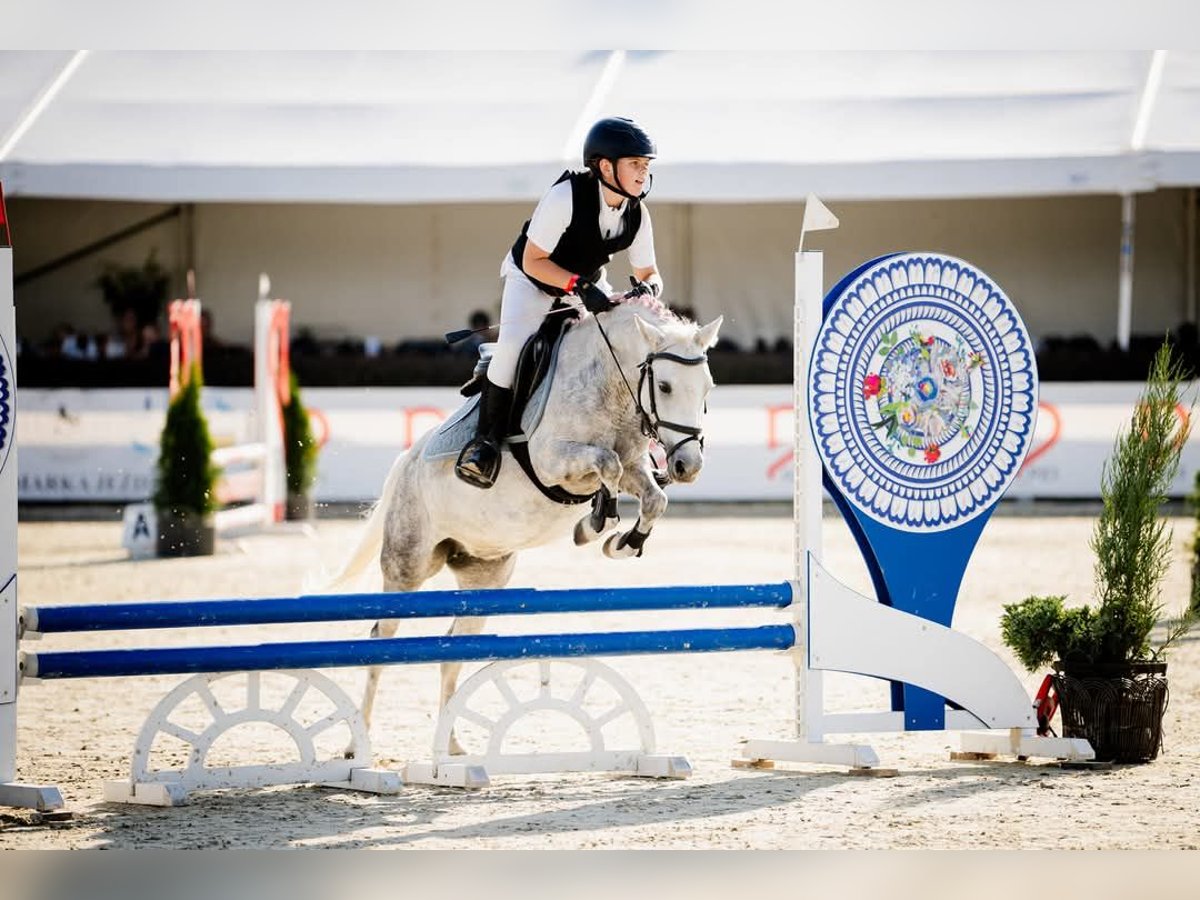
{"points": [[299, 507], [185, 533], [1119, 709]]}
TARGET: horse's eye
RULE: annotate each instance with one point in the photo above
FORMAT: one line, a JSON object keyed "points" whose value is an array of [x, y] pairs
{"points": [[664, 387]]}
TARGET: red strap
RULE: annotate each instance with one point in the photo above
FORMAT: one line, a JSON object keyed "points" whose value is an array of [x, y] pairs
{"points": [[4, 236], [571, 282], [1046, 702]]}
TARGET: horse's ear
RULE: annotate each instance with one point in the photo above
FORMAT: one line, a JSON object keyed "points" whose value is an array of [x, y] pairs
{"points": [[708, 334], [653, 336]]}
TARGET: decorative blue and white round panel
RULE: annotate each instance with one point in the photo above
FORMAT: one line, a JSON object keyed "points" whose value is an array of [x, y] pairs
{"points": [[923, 391]]}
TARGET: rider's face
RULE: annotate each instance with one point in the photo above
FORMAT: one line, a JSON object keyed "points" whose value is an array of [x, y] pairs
{"points": [[632, 173]]}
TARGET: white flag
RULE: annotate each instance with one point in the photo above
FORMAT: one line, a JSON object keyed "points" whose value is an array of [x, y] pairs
{"points": [[817, 217]]}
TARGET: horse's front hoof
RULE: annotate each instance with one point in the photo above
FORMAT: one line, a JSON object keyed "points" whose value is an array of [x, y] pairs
{"points": [[616, 547], [585, 533]]}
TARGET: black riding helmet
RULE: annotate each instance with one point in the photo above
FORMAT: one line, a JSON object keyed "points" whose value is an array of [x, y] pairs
{"points": [[615, 138]]}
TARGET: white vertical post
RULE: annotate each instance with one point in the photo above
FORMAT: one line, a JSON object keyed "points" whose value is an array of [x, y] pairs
{"points": [[270, 380], [807, 491], [1125, 281], [11, 793], [1190, 251], [8, 532]]}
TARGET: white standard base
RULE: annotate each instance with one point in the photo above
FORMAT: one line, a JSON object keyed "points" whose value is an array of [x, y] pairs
{"points": [[43, 798], [593, 695], [473, 774], [855, 756], [1023, 744], [173, 793], [850, 633]]}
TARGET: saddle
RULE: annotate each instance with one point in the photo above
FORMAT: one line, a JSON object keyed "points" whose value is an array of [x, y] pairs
{"points": [[532, 365], [530, 391]]}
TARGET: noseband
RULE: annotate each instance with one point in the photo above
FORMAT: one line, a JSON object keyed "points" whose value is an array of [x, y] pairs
{"points": [[650, 421]]}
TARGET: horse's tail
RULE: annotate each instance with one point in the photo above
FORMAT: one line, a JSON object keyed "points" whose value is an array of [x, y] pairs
{"points": [[370, 541]]}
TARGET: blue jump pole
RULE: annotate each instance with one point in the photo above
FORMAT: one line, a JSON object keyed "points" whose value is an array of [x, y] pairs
{"points": [[423, 604], [393, 651]]}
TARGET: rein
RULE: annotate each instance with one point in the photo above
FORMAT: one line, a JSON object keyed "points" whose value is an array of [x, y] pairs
{"points": [[650, 421]]}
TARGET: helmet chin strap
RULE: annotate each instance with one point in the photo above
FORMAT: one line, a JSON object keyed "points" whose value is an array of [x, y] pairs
{"points": [[616, 189]]}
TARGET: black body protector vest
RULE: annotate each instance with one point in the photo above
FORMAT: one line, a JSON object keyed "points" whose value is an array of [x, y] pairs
{"points": [[582, 249]]}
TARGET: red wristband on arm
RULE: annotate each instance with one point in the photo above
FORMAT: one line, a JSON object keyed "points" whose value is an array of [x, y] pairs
{"points": [[571, 282]]}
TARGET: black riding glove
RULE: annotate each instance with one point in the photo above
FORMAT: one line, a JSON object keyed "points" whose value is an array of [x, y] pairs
{"points": [[640, 289], [594, 300]]}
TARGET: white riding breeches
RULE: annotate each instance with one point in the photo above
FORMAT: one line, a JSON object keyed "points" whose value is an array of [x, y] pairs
{"points": [[522, 307]]}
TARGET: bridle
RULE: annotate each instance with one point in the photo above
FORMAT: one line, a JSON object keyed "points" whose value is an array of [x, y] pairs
{"points": [[651, 422]]}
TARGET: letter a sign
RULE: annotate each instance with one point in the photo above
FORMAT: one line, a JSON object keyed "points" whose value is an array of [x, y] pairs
{"points": [[140, 531]]}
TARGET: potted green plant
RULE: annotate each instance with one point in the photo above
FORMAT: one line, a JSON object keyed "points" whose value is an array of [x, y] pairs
{"points": [[142, 289], [300, 453], [185, 487], [1109, 676]]}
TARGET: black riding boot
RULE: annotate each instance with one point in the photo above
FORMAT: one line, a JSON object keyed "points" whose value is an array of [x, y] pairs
{"points": [[479, 461]]}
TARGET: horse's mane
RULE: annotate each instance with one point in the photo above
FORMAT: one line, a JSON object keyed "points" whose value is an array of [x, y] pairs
{"points": [[657, 310], [658, 314]]}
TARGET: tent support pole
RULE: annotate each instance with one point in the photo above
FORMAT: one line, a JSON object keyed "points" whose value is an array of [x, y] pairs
{"points": [[1125, 279]]}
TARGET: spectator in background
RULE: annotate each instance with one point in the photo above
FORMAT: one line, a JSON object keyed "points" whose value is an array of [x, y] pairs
{"points": [[127, 339], [64, 342], [150, 341]]}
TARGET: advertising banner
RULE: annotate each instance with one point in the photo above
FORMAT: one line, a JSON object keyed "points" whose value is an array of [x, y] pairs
{"points": [[101, 445]]}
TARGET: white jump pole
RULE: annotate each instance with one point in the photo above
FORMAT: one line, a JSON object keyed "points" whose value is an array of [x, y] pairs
{"points": [[271, 392], [12, 793]]}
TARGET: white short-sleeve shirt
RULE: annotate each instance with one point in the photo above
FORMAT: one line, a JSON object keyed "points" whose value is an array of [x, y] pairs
{"points": [[553, 214]]}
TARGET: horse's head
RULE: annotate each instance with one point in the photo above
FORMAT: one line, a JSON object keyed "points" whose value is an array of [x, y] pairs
{"points": [[673, 387]]}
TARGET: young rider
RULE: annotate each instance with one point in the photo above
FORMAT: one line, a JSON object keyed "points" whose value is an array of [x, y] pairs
{"points": [[578, 225]]}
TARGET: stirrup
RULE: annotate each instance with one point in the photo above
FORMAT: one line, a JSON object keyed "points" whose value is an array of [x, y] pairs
{"points": [[471, 471]]}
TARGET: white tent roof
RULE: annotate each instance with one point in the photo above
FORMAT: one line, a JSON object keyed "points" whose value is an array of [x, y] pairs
{"points": [[736, 126]]}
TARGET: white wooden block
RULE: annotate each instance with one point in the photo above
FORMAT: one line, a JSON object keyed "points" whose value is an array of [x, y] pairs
{"points": [[376, 781], [152, 793], [1017, 743], [447, 775], [676, 767]]}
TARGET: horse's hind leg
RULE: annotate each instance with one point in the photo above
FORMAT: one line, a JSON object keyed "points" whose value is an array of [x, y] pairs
{"points": [[471, 573], [406, 566], [384, 628]]}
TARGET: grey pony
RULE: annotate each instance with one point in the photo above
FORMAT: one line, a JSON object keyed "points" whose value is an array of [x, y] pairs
{"points": [[590, 435]]}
